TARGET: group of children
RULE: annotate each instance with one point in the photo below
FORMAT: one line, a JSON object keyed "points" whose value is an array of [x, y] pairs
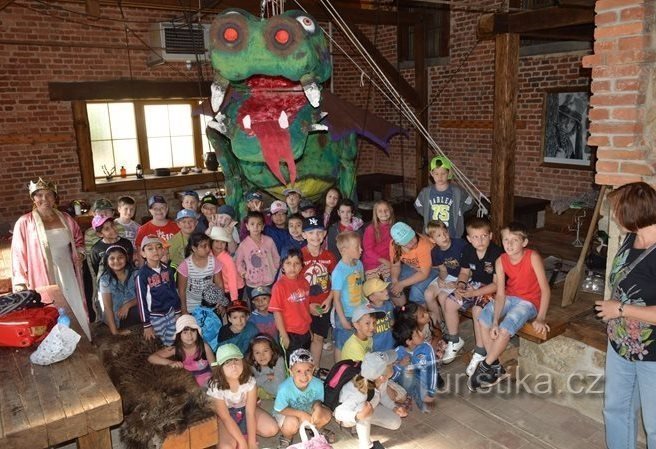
{"points": [[269, 292]]}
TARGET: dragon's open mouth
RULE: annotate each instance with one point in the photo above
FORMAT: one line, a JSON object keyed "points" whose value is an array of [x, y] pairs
{"points": [[267, 114]]}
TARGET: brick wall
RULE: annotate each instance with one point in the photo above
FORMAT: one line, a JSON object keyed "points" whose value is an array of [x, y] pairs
{"points": [[460, 118], [623, 98], [39, 45]]}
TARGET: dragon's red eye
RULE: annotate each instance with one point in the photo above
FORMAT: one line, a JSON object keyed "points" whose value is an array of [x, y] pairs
{"points": [[230, 34], [282, 36]]}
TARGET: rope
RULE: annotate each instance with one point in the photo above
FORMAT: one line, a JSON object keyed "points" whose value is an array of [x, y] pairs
{"points": [[474, 192]]}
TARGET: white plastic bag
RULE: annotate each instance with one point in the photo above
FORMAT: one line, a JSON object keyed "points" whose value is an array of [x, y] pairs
{"points": [[57, 346]]}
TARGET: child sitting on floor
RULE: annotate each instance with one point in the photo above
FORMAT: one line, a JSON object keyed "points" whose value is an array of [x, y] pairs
{"points": [[522, 295], [117, 291], [240, 331], [300, 399], [417, 367], [363, 319], [364, 400], [189, 351], [268, 365], [233, 395]]}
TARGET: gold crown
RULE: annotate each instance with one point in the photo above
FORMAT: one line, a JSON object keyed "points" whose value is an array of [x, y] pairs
{"points": [[41, 185]]}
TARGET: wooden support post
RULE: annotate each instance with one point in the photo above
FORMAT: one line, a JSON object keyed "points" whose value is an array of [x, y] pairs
{"points": [[506, 63], [421, 86]]}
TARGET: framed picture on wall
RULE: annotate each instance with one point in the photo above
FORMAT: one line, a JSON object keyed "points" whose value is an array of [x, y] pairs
{"points": [[565, 128]]}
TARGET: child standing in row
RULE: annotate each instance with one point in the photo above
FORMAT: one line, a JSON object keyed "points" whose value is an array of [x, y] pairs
{"points": [[126, 208], [522, 294], [290, 306], [261, 317], [257, 258], [186, 221], [233, 283], [160, 226], [376, 242], [157, 296], [443, 201], [347, 222], [347, 279], [197, 272], [318, 264], [106, 230], [233, 394]]}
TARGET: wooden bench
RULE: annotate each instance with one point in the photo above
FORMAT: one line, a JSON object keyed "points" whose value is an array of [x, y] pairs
{"points": [[42, 406], [527, 332], [200, 435]]}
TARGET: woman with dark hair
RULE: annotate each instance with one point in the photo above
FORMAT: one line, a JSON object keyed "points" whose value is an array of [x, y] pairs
{"points": [[47, 248], [631, 320]]}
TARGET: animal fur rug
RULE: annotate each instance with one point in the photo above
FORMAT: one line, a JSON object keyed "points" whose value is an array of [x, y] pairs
{"points": [[157, 400]]}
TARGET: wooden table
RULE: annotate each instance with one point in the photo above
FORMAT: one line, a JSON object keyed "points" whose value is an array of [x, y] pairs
{"points": [[41, 406]]}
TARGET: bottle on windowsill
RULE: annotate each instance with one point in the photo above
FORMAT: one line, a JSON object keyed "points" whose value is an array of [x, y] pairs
{"points": [[124, 172], [139, 171]]}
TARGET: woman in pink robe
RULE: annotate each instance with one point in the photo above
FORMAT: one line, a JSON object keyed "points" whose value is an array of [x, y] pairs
{"points": [[47, 248]]}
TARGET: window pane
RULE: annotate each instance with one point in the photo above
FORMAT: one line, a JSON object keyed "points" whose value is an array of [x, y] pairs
{"points": [[157, 120], [102, 155], [204, 120], [159, 152], [98, 121], [126, 154], [122, 120], [183, 151], [180, 119]]}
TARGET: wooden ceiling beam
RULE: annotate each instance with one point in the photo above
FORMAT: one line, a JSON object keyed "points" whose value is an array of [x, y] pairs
{"points": [[577, 3], [522, 23], [581, 33], [313, 7]]}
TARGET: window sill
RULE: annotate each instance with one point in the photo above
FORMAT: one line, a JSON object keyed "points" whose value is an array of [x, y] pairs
{"points": [[130, 183], [443, 60]]}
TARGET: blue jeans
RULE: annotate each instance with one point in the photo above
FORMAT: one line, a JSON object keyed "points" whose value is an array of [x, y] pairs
{"points": [[417, 290], [629, 386], [516, 312]]}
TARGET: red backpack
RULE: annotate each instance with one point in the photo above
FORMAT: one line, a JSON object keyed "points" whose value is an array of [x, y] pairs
{"points": [[26, 327]]}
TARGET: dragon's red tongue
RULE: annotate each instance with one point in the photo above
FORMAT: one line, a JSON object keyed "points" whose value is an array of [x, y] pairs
{"points": [[276, 148]]}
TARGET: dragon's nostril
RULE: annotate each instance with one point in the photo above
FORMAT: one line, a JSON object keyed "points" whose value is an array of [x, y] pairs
{"points": [[282, 36], [230, 34]]}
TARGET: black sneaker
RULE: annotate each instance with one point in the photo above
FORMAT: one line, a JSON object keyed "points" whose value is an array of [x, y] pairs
{"points": [[485, 376], [440, 383], [377, 445]]}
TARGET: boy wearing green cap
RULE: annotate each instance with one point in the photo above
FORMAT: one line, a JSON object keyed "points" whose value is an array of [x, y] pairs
{"points": [[443, 201]]}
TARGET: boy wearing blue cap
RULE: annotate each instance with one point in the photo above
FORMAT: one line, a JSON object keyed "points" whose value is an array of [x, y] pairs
{"points": [[443, 201]]}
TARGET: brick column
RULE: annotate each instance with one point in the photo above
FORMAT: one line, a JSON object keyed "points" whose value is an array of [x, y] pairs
{"points": [[622, 118]]}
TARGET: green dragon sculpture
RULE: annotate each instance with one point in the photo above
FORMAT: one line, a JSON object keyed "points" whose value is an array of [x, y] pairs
{"points": [[274, 127]]}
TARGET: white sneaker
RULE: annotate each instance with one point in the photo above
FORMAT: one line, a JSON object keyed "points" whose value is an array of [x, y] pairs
{"points": [[475, 360], [452, 350]]}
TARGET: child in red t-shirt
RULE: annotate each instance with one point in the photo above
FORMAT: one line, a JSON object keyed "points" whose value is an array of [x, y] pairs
{"points": [[290, 304], [318, 264]]}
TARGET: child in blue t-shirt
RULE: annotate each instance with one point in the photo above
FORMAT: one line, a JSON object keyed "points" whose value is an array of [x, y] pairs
{"points": [[300, 398], [346, 283]]}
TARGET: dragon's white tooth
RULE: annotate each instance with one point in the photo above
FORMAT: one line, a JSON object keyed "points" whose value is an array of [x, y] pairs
{"points": [[283, 121], [322, 115], [218, 93], [246, 121], [318, 127], [312, 93]]}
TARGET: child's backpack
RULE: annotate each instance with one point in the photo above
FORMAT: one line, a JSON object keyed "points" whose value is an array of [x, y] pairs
{"points": [[341, 373]]}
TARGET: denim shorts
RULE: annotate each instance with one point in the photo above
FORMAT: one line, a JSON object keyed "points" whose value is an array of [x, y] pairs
{"points": [[516, 312]]}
